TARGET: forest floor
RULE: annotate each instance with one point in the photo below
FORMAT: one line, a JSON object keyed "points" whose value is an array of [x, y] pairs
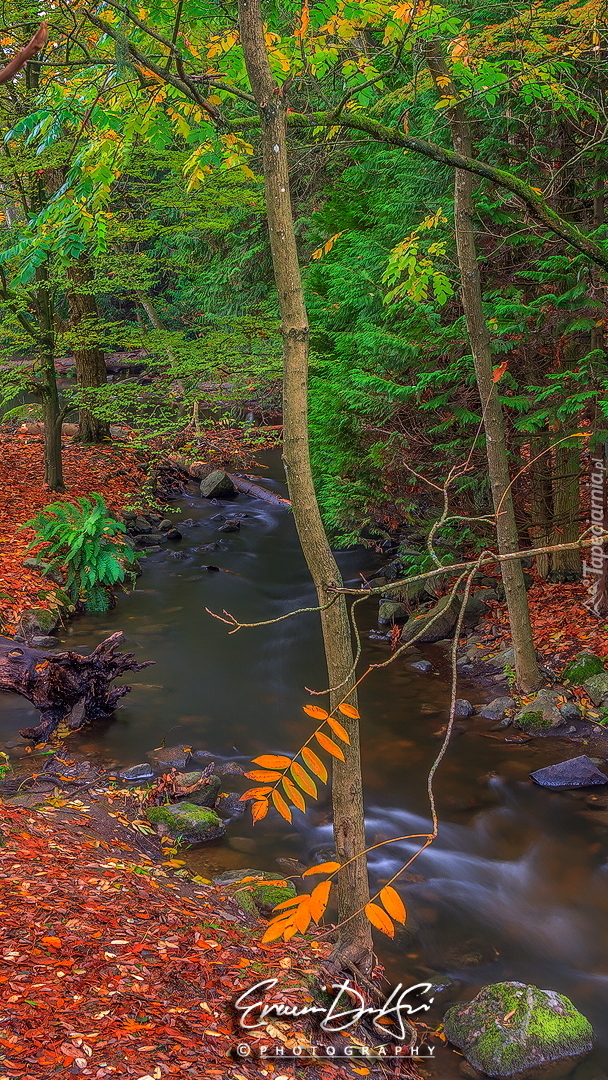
{"points": [[113, 966]]}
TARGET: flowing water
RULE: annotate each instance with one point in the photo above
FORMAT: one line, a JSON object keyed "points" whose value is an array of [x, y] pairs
{"points": [[516, 886]]}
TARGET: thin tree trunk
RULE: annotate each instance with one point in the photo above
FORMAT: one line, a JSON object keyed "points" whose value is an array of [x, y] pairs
{"points": [[541, 501], [526, 666], [90, 361], [355, 942], [566, 565], [49, 394]]}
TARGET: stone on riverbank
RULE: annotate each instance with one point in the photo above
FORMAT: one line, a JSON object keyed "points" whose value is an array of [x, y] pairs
{"points": [[206, 795], [577, 772], [169, 757], [257, 899], [137, 772], [583, 667], [391, 611], [185, 822], [541, 714], [217, 485], [597, 688], [497, 709], [463, 708], [518, 1031]]}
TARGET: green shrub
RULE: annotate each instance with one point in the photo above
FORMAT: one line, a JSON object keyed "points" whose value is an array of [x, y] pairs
{"points": [[88, 544]]}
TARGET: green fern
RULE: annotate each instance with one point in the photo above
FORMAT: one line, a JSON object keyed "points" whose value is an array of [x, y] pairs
{"points": [[89, 545]]}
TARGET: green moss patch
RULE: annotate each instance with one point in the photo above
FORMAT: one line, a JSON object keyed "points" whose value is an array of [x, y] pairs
{"points": [[584, 666]]}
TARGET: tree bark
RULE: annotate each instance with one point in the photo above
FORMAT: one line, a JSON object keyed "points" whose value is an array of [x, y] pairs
{"points": [[355, 942], [66, 687], [49, 395], [566, 565], [541, 501], [90, 360], [528, 674]]}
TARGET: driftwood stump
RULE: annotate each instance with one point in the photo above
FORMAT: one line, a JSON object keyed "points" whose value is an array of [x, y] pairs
{"points": [[66, 687]]}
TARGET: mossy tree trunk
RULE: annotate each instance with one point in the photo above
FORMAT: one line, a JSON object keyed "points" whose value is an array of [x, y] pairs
{"points": [[90, 360]]}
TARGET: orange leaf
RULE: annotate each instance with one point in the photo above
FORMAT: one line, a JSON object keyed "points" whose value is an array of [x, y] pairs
{"points": [[499, 371], [314, 763], [322, 868], [328, 745], [289, 932], [349, 710], [54, 942], [293, 794], [259, 810], [272, 761], [304, 780], [318, 899], [281, 805], [393, 903], [380, 919], [338, 730], [263, 774], [275, 930], [292, 902], [302, 917], [316, 711], [254, 793]]}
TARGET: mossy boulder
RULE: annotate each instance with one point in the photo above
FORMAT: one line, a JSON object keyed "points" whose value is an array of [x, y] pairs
{"points": [[392, 611], [514, 1030], [541, 715], [185, 822], [583, 667], [218, 485], [256, 899], [597, 688], [38, 621], [433, 625], [206, 795]]}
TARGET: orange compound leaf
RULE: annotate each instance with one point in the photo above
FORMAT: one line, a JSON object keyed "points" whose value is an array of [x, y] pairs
{"points": [[263, 774], [302, 917], [292, 793], [293, 901], [393, 903], [272, 761], [275, 930], [316, 712], [323, 868], [280, 805], [380, 919], [259, 810], [349, 710], [314, 763], [304, 780], [318, 899], [255, 793], [328, 745], [338, 730]]}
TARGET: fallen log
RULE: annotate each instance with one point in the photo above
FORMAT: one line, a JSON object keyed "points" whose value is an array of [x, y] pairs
{"points": [[65, 687], [198, 469]]}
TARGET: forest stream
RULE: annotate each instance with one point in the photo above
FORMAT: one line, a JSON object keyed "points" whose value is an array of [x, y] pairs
{"points": [[515, 886]]}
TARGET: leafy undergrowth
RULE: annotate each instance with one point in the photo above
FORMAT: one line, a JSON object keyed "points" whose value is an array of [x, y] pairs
{"points": [[116, 969], [561, 624], [111, 470]]}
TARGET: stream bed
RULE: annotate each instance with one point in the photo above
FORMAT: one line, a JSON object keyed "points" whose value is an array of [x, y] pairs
{"points": [[516, 886]]}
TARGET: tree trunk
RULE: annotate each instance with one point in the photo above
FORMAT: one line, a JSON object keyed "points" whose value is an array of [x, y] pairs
{"points": [[528, 674], [355, 942], [541, 501], [66, 687], [48, 392], [566, 565], [90, 360]]}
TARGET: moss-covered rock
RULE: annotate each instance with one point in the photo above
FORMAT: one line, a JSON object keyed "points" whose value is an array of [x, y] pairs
{"points": [[392, 611], [257, 899], [597, 688], [540, 715], [584, 665], [186, 822], [38, 621], [519, 1031]]}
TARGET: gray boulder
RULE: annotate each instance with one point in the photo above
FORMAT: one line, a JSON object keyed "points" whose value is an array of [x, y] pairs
{"points": [[435, 624], [38, 621], [44, 641], [391, 611], [496, 709], [185, 822], [597, 688], [217, 485], [204, 796], [463, 708], [570, 711], [502, 660], [577, 772], [540, 715], [169, 757], [518, 1031], [137, 772], [422, 665]]}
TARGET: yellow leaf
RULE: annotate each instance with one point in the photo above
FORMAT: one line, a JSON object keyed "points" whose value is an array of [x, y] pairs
{"points": [[254, 793], [328, 745], [314, 763], [379, 919], [293, 794], [322, 868], [338, 730], [393, 903], [263, 774], [272, 761], [304, 780], [281, 805], [349, 710], [316, 712], [318, 899], [259, 810]]}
